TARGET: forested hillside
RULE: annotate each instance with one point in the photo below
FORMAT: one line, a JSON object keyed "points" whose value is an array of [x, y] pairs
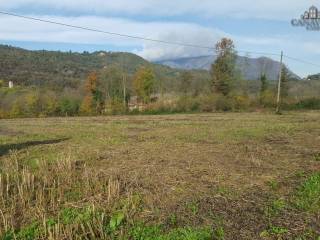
{"points": [[67, 69], [314, 77]]}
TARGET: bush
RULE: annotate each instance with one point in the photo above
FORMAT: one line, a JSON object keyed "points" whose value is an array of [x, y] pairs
{"points": [[207, 103], [223, 103], [17, 110], [115, 107], [68, 107], [160, 107], [267, 99], [51, 107], [187, 104], [33, 104], [241, 102], [3, 114], [309, 103]]}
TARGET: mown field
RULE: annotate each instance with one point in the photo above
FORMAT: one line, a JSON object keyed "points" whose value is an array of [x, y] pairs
{"points": [[195, 177]]}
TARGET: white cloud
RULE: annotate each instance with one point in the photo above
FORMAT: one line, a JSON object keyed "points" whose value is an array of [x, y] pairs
{"points": [[262, 41], [297, 45], [311, 47], [15, 29], [271, 9], [25, 30], [181, 33]]}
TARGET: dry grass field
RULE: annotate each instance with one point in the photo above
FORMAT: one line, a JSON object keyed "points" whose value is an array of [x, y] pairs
{"points": [[194, 177]]}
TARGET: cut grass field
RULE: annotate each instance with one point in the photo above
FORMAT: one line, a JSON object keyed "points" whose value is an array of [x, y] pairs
{"points": [[195, 177]]}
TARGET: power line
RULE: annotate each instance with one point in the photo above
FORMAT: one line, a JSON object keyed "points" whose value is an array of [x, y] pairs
{"points": [[127, 35], [147, 39], [107, 32], [302, 61]]}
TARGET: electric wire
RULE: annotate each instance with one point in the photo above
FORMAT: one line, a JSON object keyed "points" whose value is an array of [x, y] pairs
{"points": [[148, 39]]}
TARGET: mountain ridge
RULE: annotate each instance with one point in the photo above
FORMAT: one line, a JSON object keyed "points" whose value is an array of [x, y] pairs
{"points": [[250, 68]]}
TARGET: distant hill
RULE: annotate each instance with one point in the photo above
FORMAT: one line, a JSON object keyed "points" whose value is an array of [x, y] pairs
{"points": [[314, 77], [59, 70], [250, 68], [68, 69]]}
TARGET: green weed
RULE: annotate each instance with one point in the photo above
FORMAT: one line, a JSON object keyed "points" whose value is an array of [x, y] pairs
{"points": [[142, 232], [274, 185], [308, 234], [29, 232], [193, 207], [173, 219], [308, 195], [275, 208], [274, 231], [218, 233], [116, 220], [74, 215]]}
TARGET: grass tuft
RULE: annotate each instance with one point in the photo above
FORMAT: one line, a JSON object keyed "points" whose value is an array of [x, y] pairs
{"points": [[141, 232], [308, 195]]}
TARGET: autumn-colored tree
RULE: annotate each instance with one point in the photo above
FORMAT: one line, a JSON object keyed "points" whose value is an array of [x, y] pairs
{"points": [[93, 100], [91, 83], [143, 82], [87, 105], [223, 70]]}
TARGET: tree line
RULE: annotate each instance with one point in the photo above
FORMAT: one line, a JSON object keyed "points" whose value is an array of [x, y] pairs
{"points": [[102, 92], [110, 91]]}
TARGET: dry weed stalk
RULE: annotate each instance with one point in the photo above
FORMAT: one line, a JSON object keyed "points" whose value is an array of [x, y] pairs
{"points": [[41, 196]]}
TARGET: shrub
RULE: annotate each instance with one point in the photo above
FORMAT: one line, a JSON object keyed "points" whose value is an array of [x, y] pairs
{"points": [[161, 107], [187, 104], [17, 110], [3, 114], [207, 103], [309, 103], [267, 99], [241, 102], [115, 107], [33, 104], [223, 103], [68, 107]]}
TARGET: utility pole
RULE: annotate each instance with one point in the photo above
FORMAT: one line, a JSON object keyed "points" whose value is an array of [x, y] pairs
{"points": [[124, 91], [124, 81], [279, 87]]}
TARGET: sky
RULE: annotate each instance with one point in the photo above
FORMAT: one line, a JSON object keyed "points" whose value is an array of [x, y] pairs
{"points": [[254, 25]]}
